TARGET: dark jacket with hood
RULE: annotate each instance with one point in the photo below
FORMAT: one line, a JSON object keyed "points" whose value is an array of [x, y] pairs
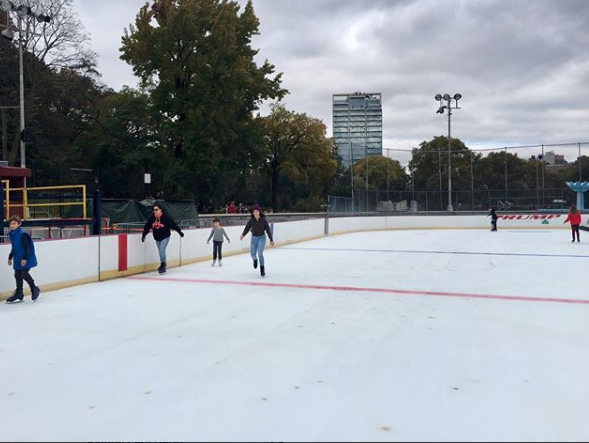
{"points": [[259, 227], [161, 227]]}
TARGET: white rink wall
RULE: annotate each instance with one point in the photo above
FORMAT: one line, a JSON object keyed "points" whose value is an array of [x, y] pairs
{"points": [[65, 263]]}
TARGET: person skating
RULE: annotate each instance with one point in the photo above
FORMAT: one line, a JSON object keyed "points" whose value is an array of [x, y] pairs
{"points": [[162, 226], [575, 219], [218, 235], [259, 227], [22, 258], [494, 218]]}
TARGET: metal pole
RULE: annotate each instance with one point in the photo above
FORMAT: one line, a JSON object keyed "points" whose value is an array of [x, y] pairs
{"points": [[450, 207], [543, 178], [23, 161], [506, 180], [441, 181], [580, 166], [352, 171], [366, 146], [472, 177], [388, 178], [537, 184]]}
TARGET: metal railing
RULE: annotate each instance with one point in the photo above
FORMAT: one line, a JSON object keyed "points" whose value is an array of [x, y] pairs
{"points": [[50, 202]]}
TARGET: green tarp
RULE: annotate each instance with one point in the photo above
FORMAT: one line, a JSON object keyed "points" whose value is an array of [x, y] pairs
{"points": [[132, 211]]}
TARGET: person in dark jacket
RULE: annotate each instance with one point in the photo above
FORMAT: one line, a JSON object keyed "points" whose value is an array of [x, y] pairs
{"points": [[162, 227], [23, 258], [494, 218], [259, 227]]}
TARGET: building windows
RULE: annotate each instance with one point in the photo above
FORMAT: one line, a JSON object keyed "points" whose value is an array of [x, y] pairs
{"points": [[357, 125]]}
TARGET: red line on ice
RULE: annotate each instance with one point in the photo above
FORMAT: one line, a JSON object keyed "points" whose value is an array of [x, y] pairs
{"points": [[369, 290]]}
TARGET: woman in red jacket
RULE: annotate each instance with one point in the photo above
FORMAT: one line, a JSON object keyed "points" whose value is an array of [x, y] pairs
{"points": [[575, 219]]}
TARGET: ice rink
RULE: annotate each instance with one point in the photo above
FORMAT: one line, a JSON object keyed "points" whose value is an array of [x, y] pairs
{"points": [[383, 336]]}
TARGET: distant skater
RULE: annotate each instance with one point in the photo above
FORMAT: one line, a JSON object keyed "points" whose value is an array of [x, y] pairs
{"points": [[218, 235], [494, 218], [259, 227], [575, 219]]}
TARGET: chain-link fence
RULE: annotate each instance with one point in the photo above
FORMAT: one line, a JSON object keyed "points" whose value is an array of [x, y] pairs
{"points": [[557, 200]]}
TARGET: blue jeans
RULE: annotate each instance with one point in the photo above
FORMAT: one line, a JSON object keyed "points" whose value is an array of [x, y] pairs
{"points": [[161, 247], [258, 246]]}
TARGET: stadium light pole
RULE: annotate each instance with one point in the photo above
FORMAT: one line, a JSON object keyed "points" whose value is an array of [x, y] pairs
{"points": [[451, 103], [352, 173], [22, 12]]}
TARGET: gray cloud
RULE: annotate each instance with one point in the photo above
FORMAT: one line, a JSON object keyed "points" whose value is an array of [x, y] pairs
{"points": [[522, 66]]}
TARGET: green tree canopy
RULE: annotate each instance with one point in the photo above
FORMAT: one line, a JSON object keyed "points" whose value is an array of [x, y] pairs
{"points": [[196, 58]]}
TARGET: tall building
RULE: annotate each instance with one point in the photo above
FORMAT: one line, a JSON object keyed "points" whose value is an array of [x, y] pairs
{"points": [[553, 159], [357, 125]]}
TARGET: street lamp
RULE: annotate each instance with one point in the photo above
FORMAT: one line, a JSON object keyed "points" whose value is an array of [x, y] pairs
{"points": [[450, 104], [22, 12]]}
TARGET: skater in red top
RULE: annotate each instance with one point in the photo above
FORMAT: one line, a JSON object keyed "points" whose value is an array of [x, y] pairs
{"points": [[575, 220]]}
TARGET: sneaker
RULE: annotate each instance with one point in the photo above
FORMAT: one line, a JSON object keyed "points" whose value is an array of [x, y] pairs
{"points": [[255, 264], [18, 297], [36, 291]]}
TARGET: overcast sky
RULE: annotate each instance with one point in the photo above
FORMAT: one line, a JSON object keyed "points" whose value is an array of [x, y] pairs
{"points": [[521, 65]]}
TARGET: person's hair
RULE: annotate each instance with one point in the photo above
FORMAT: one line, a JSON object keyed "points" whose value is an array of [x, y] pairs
{"points": [[217, 220], [574, 210], [15, 218], [159, 207]]}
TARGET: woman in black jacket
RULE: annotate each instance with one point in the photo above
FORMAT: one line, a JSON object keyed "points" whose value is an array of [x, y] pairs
{"points": [[259, 227], [161, 225]]}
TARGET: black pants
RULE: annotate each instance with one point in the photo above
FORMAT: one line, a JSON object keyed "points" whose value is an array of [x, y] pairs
{"points": [[494, 223], [218, 250], [21, 277], [576, 233]]}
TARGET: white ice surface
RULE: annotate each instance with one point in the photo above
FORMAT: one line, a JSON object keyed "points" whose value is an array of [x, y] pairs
{"points": [[158, 360]]}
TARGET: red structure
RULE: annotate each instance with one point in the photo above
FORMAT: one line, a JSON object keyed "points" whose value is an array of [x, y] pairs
{"points": [[16, 179]]}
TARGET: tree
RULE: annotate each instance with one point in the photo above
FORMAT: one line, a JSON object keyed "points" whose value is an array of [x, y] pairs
{"points": [[195, 57], [383, 173], [430, 165], [125, 144], [297, 155], [59, 75], [61, 43]]}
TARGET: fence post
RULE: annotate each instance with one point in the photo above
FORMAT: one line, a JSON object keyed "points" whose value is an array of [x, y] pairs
{"points": [[3, 220], [97, 225]]}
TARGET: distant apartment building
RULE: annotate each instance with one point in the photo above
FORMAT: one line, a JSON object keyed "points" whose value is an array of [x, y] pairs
{"points": [[357, 125], [553, 159]]}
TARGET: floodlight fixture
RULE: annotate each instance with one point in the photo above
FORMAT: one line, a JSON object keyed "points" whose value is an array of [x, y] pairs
{"points": [[23, 11]]}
